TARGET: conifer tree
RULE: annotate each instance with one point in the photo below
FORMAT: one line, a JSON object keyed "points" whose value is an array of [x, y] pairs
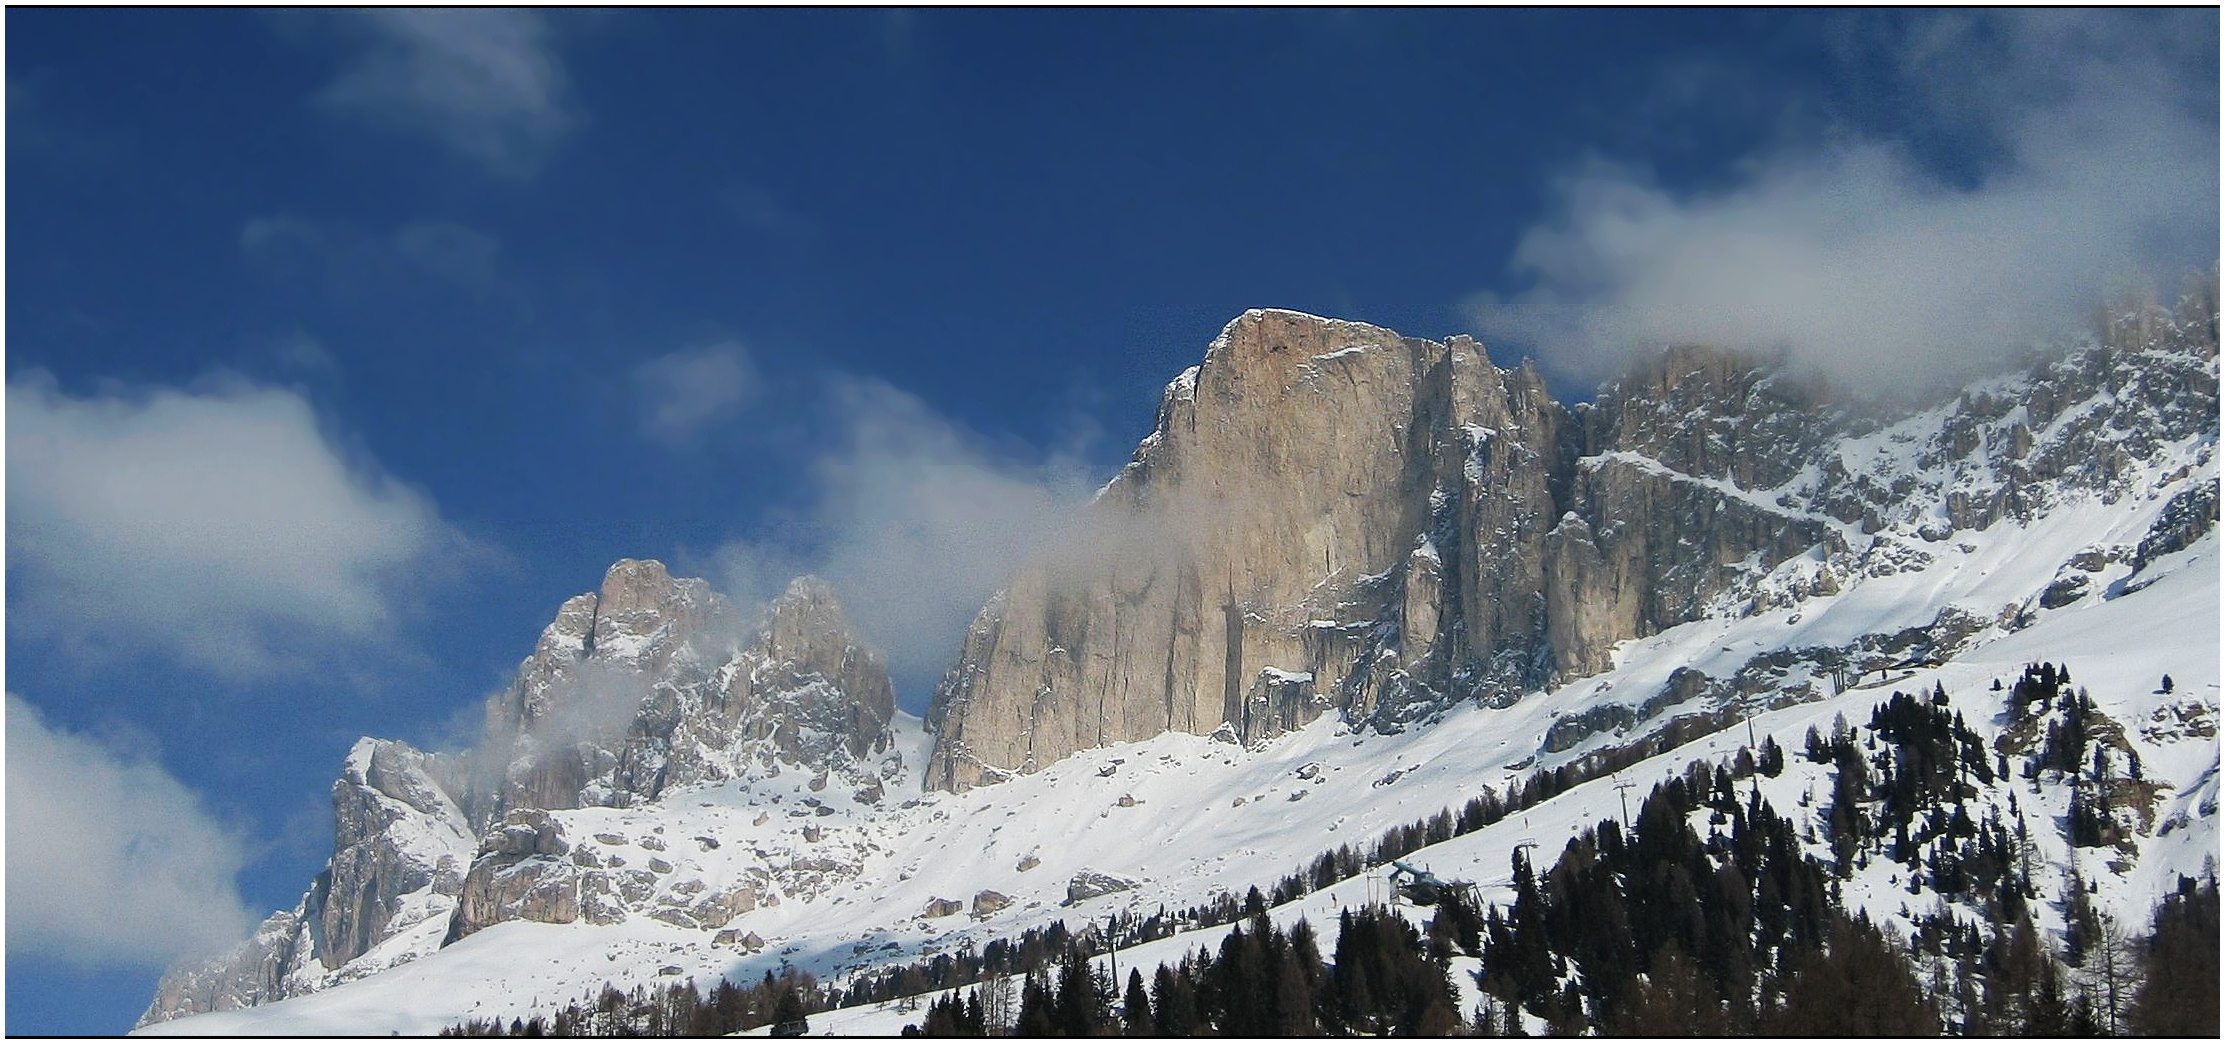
{"points": [[1136, 1013], [2179, 996]]}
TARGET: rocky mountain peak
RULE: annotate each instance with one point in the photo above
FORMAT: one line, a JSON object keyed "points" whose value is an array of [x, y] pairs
{"points": [[664, 660], [1266, 344], [807, 635], [649, 684], [806, 619], [643, 610]]}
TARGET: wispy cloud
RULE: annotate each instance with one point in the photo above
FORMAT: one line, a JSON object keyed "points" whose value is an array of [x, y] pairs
{"points": [[683, 394], [2099, 167], [487, 83], [757, 207], [916, 521], [219, 526], [110, 859], [299, 353], [446, 250], [348, 261]]}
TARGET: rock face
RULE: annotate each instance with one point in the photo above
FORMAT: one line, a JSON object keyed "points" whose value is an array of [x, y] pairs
{"points": [[1289, 538], [1328, 515], [648, 684], [400, 845], [253, 972]]}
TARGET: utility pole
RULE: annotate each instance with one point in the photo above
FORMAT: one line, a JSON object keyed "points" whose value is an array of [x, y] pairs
{"points": [[1625, 799]]}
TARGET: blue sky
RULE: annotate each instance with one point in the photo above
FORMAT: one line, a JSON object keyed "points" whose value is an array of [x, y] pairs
{"points": [[343, 347]]}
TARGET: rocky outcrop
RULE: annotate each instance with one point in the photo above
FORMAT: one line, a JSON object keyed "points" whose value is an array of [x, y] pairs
{"points": [[647, 686], [253, 972], [1089, 884], [806, 690], [2187, 517], [400, 846], [654, 683], [520, 875]]}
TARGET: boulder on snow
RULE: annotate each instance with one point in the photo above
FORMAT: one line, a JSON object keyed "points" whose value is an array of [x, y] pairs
{"points": [[986, 902], [2065, 591], [1089, 884], [749, 941], [942, 907]]}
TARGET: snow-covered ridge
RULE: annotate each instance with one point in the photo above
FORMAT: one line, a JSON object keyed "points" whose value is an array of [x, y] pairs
{"points": [[1204, 816], [2056, 516]]}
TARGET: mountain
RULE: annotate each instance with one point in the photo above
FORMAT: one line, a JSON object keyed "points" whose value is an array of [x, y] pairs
{"points": [[650, 684], [1330, 516], [1350, 580]]}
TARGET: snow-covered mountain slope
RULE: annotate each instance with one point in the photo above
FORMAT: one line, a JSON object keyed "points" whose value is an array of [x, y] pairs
{"points": [[1186, 817], [672, 796]]}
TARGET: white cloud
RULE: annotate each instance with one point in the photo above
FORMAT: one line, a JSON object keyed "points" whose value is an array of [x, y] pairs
{"points": [[219, 526], [487, 82], [110, 858], [687, 391], [2100, 169], [918, 521]]}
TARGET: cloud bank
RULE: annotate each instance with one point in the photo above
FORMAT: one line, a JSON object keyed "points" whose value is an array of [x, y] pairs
{"points": [[682, 394], [2098, 169], [487, 83], [218, 526], [916, 521], [110, 859]]}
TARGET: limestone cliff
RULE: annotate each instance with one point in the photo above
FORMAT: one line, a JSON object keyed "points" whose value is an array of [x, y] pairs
{"points": [[1327, 515]]}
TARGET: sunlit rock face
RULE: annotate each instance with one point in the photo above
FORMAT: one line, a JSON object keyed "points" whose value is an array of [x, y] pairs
{"points": [[1330, 516], [1326, 515]]}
